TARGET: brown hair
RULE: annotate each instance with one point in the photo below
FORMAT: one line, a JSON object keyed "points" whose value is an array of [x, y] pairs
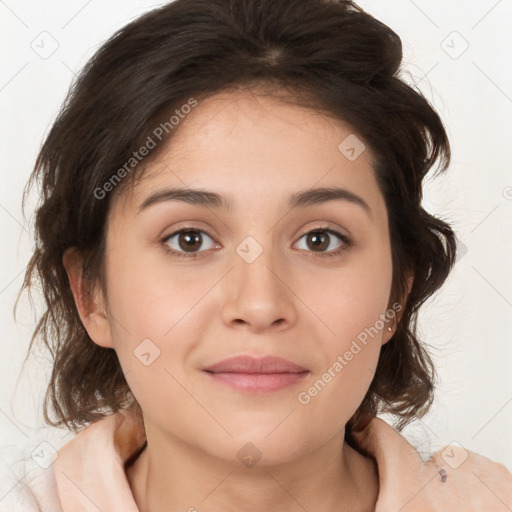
{"points": [[326, 55]]}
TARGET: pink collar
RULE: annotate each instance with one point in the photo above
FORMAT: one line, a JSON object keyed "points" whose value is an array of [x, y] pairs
{"points": [[90, 475]]}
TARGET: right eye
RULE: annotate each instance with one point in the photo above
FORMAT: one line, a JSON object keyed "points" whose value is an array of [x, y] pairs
{"points": [[187, 242]]}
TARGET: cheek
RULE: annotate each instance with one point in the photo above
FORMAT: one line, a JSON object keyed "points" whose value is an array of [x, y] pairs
{"points": [[350, 308], [351, 349], [148, 298], [158, 316], [353, 298], [151, 312]]}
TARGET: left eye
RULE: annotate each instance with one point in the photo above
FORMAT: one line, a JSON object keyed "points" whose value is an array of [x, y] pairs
{"points": [[321, 241]]}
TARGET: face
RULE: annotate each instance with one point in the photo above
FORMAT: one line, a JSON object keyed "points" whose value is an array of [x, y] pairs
{"points": [[191, 283]]}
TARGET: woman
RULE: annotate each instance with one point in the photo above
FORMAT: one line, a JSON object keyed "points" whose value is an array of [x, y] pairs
{"points": [[233, 253]]}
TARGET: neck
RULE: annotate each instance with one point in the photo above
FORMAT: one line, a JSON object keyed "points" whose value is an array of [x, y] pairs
{"points": [[176, 476]]}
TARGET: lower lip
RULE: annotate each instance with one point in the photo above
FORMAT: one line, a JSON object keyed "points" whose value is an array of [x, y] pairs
{"points": [[258, 382]]}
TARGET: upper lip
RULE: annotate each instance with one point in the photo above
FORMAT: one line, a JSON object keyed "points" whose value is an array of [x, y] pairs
{"points": [[251, 364]]}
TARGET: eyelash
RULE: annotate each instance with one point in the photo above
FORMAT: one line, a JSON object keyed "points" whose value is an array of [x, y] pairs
{"points": [[346, 241]]}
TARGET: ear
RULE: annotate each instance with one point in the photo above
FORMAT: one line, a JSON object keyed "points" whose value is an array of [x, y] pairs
{"points": [[388, 334], [90, 308]]}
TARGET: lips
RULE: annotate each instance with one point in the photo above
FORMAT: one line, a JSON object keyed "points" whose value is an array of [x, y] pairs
{"points": [[256, 375], [255, 365]]}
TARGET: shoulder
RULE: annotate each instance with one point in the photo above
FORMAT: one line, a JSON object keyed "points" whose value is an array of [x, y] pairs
{"points": [[24, 486], [471, 481], [90, 468]]}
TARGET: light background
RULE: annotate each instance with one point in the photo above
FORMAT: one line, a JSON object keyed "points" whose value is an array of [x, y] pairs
{"points": [[468, 323]]}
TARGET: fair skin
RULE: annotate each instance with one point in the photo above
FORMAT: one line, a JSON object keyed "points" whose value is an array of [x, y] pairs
{"points": [[290, 301]]}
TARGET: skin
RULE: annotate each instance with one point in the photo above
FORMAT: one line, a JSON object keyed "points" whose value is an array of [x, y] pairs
{"points": [[290, 302]]}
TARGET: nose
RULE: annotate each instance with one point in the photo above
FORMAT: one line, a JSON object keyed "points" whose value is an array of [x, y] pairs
{"points": [[257, 295]]}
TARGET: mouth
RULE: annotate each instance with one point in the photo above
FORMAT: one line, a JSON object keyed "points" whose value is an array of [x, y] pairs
{"points": [[256, 374]]}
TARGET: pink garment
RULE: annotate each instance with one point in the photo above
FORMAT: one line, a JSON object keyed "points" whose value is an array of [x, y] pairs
{"points": [[90, 476]]}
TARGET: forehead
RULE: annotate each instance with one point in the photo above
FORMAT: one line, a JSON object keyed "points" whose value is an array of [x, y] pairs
{"points": [[247, 145]]}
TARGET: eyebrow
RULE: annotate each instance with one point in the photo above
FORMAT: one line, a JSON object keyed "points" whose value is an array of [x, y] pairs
{"points": [[207, 199]]}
